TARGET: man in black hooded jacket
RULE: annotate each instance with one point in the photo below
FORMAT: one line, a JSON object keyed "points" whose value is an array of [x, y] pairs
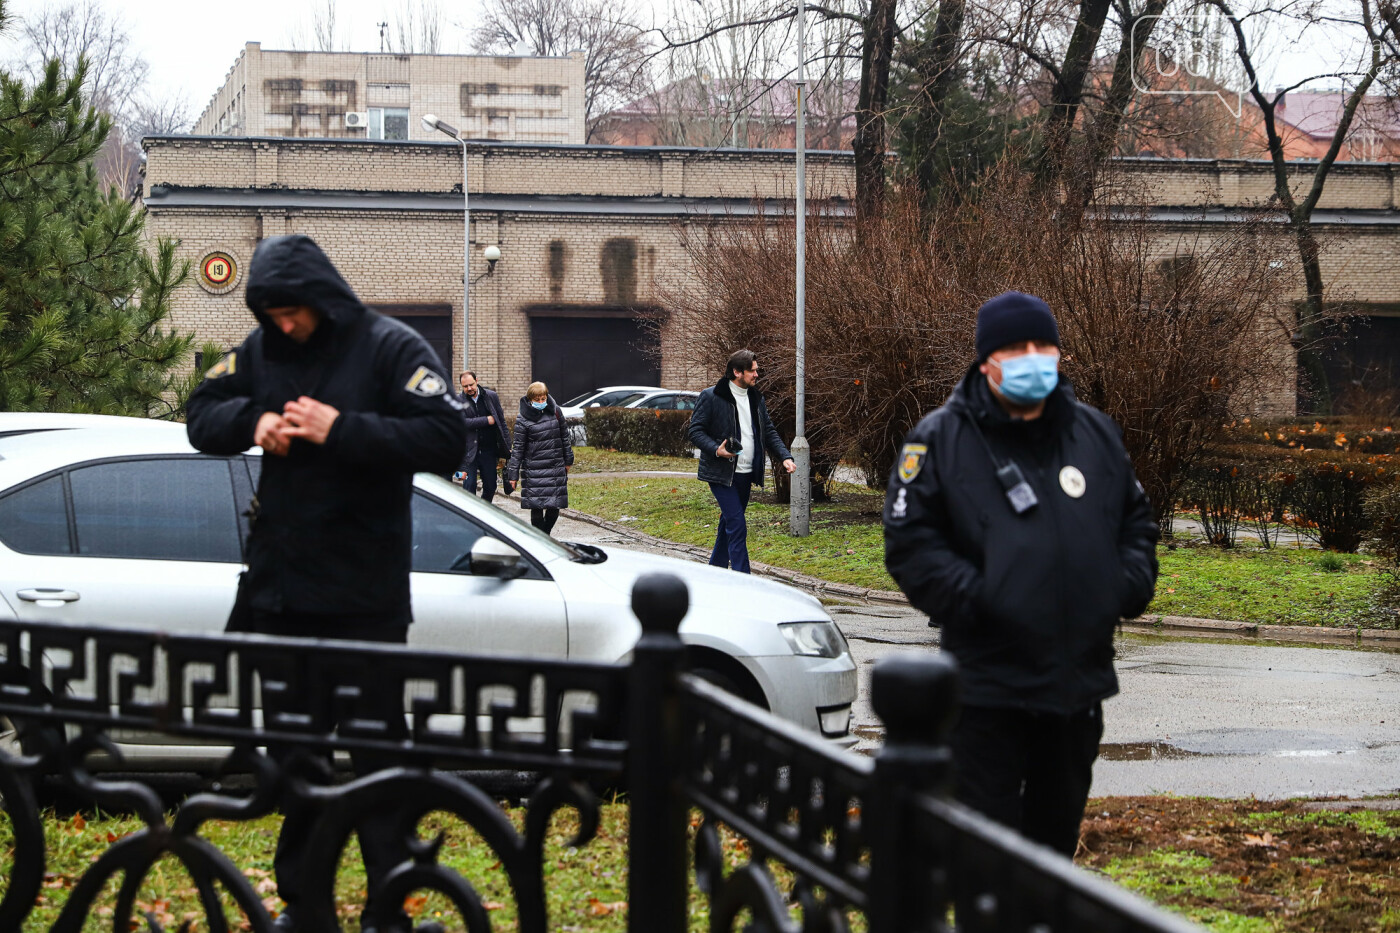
{"points": [[1014, 520], [347, 405]]}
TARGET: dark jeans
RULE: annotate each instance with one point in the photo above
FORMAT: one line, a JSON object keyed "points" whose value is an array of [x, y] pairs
{"points": [[732, 540], [544, 519], [380, 847], [485, 465], [1029, 771]]}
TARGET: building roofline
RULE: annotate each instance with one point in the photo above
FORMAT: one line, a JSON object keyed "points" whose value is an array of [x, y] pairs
{"points": [[490, 143], [171, 197], [545, 58], [691, 150], [167, 196]]}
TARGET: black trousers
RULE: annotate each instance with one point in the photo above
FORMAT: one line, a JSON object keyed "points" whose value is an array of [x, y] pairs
{"points": [[1029, 771], [380, 846], [484, 466], [544, 519]]}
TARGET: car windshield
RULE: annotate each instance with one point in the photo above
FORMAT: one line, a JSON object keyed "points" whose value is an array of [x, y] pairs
{"points": [[488, 513], [579, 400]]}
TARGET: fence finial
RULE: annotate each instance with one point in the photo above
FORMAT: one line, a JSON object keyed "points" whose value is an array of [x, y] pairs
{"points": [[660, 601], [916, 697]]}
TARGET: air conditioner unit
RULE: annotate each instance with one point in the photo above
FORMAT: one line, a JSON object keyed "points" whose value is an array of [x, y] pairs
{"points": [[356, 118]]}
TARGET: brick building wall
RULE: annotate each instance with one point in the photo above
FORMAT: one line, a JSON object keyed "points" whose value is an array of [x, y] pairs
{"points": [[598, 230], [582, 230]]}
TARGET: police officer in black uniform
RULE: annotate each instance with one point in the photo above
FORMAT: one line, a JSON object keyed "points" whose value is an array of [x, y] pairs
{"points": [[347, 405], [1014, 520]]}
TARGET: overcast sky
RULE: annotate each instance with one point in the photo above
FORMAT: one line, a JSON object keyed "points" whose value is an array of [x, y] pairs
{"points": [[190, 46]]}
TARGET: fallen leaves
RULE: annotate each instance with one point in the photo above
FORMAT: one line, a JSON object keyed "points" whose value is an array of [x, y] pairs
{"points": [[599, 909]]}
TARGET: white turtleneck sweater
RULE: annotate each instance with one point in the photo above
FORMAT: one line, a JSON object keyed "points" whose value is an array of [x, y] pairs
{"points": [[741, 397]]}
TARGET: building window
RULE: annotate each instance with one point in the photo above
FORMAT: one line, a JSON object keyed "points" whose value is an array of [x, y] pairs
{"points": [[388, 123]]}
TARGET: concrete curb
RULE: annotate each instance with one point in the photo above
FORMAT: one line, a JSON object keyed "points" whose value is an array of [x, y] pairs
{"points": [[1144, 625], [816, 585]]}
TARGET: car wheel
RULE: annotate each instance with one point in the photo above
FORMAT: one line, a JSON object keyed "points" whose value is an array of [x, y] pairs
{"points": [[726, 673]]}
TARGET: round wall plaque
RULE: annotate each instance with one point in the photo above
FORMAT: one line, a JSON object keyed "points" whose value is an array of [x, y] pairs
{"points": [[218, 272]]}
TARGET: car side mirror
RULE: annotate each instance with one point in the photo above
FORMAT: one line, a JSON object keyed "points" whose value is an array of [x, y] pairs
{"points": [[492, 557], [594, 405]]}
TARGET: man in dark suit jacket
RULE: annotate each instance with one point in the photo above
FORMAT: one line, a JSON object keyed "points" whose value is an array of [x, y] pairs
{"points": [[487, 436]]}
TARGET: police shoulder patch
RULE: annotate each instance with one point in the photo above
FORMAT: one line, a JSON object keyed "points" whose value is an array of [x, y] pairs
{"points": [[911, 461], [426, 383], [225, 367]]}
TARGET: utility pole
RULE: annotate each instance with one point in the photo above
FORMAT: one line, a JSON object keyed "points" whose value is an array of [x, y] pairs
{"points": [[800, 517]]}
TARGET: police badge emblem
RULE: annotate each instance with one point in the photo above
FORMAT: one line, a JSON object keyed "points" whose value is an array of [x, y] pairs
{"points": [[911, 461], [426, 383], [1072, 482]]}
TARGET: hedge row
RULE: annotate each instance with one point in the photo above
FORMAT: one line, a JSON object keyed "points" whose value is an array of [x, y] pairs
{"points": [[1315, 478], [638, 431]]}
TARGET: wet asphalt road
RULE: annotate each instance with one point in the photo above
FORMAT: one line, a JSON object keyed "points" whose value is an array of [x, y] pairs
{"points": [[1222, 719], [1227, 719]]}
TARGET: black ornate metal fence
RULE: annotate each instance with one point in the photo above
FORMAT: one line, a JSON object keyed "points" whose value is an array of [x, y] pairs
{"points": [[874, 837]]}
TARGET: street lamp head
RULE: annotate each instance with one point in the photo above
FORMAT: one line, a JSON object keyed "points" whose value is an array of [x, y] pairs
{"points": [[491, 253], [431, 122]]}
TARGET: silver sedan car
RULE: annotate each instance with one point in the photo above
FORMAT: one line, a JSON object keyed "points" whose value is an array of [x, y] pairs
{"points": [[114, 526]]}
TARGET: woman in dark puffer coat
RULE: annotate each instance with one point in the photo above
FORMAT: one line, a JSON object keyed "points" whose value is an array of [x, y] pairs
{"points": [[541, 457]]}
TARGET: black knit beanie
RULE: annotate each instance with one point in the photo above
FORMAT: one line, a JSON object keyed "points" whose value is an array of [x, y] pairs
{"points": [[1012, 317]]}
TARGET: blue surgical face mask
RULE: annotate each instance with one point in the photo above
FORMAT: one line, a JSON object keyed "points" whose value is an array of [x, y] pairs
{"points": [[1029, 378], [538, 405]]}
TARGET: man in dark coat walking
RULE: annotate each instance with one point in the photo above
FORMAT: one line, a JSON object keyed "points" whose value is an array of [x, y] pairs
{"points": [[731, 428], [487, 437], [347, 405], [1013, 518]]}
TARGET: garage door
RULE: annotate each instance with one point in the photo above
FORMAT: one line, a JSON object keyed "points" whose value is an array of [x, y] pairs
{"points": [[434, 322], [574, 354]]}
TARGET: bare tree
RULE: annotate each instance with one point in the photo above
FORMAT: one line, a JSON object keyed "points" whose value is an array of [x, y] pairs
{"points": [[1380, 28], [115, 84], [613, 44], [320, 31], [84, 31], [417, 28]]}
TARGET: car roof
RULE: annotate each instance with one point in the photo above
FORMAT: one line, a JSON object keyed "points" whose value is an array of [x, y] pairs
{"points": [[26, 455], [26, 422], [627, 389]]}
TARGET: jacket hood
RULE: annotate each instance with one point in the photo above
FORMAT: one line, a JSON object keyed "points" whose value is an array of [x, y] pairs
{"points": [[293, 270], [534, 414]]}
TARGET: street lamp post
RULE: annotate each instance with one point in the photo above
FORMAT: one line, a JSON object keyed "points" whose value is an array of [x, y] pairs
{"points": [[433, 123], [800, 501]]}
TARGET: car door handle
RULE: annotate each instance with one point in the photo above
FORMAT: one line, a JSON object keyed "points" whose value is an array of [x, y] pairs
{"points": [[44, 593]]}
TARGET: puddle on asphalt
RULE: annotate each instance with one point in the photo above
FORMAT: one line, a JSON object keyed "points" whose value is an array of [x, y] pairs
{"points": [[1145, 751]]}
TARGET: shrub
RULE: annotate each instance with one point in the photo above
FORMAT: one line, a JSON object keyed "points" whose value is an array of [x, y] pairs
{"points": [[1315, 477], [639, 431], [1331, 563], [891, 309], [1382, 506]]}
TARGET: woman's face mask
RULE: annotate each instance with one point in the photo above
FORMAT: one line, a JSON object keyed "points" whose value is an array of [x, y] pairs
{"points": [[1029, 378], [539, 405]]}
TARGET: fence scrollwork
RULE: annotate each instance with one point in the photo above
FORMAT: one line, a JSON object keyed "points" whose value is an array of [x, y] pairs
{"points": [[847, 834]]}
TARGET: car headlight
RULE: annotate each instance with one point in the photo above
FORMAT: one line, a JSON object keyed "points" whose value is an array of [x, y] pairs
{"points": [[814, 639]]}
